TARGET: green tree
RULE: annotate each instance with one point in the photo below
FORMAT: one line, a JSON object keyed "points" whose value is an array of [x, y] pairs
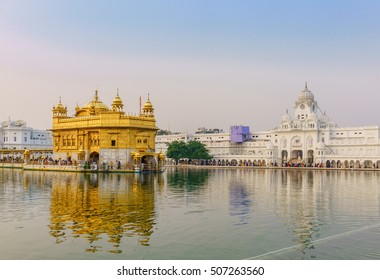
{"points": [[192, 150], [197, 150], [177, 150]]}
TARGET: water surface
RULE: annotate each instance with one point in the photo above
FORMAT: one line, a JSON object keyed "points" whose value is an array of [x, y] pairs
{"points": [[190, 214]]}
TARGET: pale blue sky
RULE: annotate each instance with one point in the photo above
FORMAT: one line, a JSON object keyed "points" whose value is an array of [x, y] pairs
{"points": [[204, 63]]}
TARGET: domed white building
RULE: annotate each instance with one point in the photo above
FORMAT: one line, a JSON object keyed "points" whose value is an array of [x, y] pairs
{"points": [[16, 135], [307, 138]]}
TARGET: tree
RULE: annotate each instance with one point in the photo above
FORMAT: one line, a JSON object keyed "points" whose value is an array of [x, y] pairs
{"points": [[197, 150], [177, 150], [192, 150]]}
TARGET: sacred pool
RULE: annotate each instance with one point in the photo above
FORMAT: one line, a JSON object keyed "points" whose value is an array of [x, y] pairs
{"points": [[191, 214]]}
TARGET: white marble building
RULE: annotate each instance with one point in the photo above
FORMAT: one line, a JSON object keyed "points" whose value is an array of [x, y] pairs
{"points": [[308, 138], [15, 135]]}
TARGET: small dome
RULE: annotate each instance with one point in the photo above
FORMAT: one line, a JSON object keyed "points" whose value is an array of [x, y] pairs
{"points": [[320, 146], [161, 155], [117, 104], [286, 117], [117, 100], [148, 105], [59, 110], [59, 105], [148, 109]]}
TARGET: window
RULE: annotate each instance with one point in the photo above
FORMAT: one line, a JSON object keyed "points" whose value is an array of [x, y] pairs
{"points": [[113, 143], [25, 139], [15, 138]]}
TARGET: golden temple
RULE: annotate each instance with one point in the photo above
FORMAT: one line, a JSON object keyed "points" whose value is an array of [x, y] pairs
{"points": [[103, 138]]}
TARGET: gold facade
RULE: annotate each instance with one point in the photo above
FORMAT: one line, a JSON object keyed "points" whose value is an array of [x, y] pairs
{"points": [[106, 136]]}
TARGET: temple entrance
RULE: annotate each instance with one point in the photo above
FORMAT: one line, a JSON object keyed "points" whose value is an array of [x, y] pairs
{"points": [[284, 156], [94, 157], [297, 155], [148, 163], [310, 157]]}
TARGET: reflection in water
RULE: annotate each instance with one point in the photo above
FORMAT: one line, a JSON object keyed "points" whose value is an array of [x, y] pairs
{"points": [[311, 202], [189, 180], [104, 206], [191, 214], [298, 205], [240, 202]]}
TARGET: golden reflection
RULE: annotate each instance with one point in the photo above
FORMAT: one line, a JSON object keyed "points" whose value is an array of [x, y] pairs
{"points": [[103, 208]]}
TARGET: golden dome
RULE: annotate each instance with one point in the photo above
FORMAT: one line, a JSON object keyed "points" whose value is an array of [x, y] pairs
{"points": [[148, 105], [148, 110], [59, 105], [117, 104], [96, 104], [117, 100], [161, 155], [59, 110]]}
